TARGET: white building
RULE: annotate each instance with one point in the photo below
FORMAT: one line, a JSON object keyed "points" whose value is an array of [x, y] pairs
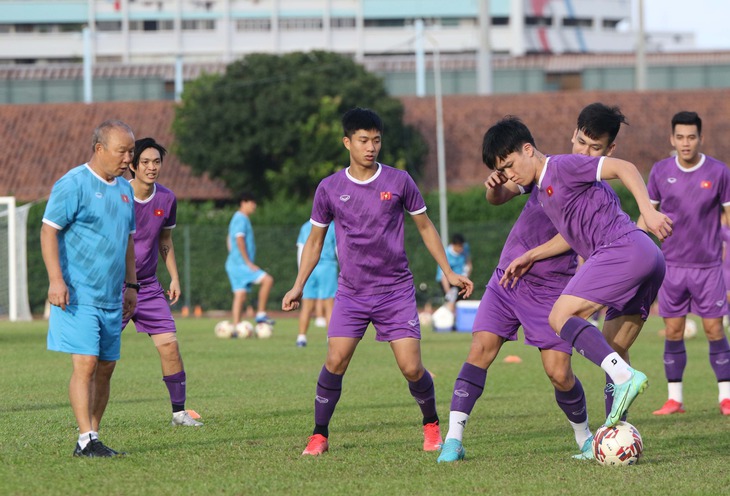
{"points": [[158, 31]]}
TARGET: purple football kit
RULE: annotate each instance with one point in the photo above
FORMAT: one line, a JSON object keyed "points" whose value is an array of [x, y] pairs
{"points": [[375, 283], [158, 212], [693, 198]]}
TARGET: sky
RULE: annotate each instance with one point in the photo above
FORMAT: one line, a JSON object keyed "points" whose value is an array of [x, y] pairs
{"points": [[707, 19]]}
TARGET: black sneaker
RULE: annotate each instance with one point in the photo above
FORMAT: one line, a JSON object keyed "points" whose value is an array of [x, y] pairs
{"points": [[96, 449]]}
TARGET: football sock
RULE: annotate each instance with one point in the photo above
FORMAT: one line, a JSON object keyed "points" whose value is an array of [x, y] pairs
{"points": [[468, 387], [674, 390], [724, 390], [588, 341], [675, 360], [582, 432], [457, 423], [85, 439], [176, 387], [720, 359], [573, 403], [329, 389], [301, 338], [425, 394], [616, 367]]}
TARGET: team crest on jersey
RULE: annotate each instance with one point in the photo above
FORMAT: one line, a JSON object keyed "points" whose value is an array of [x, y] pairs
{"points": [[125, 198], [385, 196], [706, 184], [549, 191], [344, 198], [159, 212]]}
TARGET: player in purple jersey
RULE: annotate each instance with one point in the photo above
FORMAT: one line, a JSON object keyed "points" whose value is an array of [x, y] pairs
{"points": [[504, 309], [692, 189], [366, 202], [156, 210], [623, 267], [88, 250]]}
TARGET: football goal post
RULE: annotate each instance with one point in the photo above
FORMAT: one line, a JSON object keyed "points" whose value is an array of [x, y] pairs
{"points": [[14, 304]]}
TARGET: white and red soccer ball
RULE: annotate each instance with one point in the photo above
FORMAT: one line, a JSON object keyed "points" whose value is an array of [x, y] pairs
{"points": [[617, 445]]}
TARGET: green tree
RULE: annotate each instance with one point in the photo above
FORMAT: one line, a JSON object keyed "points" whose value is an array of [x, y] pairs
{"points": [[271, 123]]}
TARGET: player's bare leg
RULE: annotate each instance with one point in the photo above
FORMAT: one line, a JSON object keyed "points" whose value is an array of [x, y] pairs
{"points": [[239, 298], [173, 374], [267, 282], [306, 309]]}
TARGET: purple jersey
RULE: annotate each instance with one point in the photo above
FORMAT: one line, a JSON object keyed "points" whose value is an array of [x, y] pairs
{"points": [[693, 198], [368, 218], [154, 214], [532, 229], [585, 210]]}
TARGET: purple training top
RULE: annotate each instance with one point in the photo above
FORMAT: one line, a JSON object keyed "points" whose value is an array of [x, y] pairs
{"points": [[154, 214], [532, 229], [586, 211], [693, 198], [368, 218]]}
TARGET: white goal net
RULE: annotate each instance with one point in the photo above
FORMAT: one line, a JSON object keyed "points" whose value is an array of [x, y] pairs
{"points": [[14, 304]]}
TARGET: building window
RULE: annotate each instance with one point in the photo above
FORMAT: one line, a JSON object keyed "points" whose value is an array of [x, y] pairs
{"points": [[253, 25], [385, 23], [343, 22], [301, 24], [198, 25], [500, 21], [109, 25], [611, 23], [577, 22], [538, 21]]}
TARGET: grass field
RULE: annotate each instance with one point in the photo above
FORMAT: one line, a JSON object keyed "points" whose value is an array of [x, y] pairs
{"points": [[256, 399]]}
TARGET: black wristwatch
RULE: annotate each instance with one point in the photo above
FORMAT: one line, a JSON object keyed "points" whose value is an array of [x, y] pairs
{"points": [[132, 285]]}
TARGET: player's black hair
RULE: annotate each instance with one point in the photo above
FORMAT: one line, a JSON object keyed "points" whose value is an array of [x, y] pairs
{"points": [[597, 120], [141, 145], [505, 137], [360, 118], [457, 239], [246, 196], [687, 118]]}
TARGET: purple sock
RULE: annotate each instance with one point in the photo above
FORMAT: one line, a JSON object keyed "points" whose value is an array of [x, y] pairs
{"points": [[720, 359], [675, 360], [573, 403], [425, 394], [468, 387], [329, 389], [176, 387], [586, 339]]}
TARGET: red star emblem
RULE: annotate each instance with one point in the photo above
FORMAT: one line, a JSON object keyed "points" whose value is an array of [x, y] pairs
{"points": [[705, 184], [385, 195], [159, 212], [125, 198], [549, 191]]}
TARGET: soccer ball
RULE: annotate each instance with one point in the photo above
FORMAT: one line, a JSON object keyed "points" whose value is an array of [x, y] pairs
{"points": [[690, 329], [224, 329], [443, 319], [264, 330], [617, 445], [244, 329]]}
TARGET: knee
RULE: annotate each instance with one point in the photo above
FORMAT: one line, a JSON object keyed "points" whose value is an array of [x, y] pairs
{"points": [[562, 380], [105, 368], [557, 320], [412, 372]]}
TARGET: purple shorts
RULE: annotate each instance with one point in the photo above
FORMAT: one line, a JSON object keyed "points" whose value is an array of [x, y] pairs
{"points": [[624, 275], [152, 315], [394, 315], [695, 290], [503, 310]]}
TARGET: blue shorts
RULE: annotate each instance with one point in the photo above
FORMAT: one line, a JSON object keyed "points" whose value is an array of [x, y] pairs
{"points": [[86, 330], [503, 310], [152, 315], [242, 278], [700, 291], [322, 284], [394, 315]]}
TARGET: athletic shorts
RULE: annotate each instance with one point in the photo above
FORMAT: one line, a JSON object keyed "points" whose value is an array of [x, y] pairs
{"points": [[503, 310], [700, 291], [624, 275], [152, 315], [86, 330], [322, 283], [242, 278], [394, 315]]}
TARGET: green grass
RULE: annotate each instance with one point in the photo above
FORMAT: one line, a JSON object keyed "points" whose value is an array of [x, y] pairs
{"points": [[256, 398]]}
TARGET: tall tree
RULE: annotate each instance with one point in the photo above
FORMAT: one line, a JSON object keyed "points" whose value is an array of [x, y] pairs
{"points": [[270, 123]]}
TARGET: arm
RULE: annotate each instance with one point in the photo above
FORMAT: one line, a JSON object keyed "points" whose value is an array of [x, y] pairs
{"points": [[130, 295], [656, 222], [433, 243], [500, 189], [167, 252], [520, 265], [241, 245], [57, 289], [310, 256]]}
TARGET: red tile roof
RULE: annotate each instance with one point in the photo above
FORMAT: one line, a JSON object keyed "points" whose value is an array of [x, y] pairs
{"points": [[41, 142]]}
